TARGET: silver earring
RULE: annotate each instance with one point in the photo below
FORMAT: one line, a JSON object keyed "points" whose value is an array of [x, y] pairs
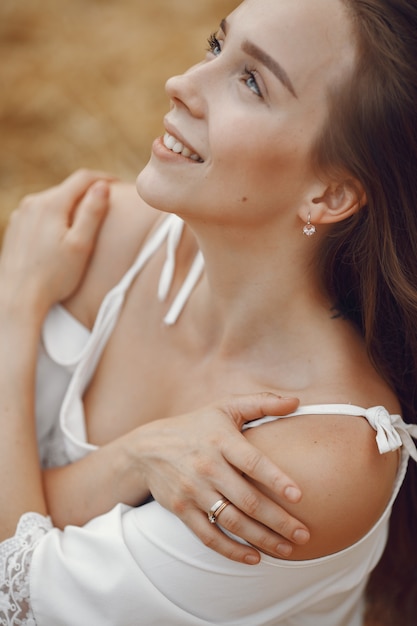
{"points": [[309, 229]]}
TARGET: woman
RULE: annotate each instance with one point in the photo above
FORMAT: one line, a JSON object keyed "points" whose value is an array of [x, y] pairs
{"points": [[265, 141]]}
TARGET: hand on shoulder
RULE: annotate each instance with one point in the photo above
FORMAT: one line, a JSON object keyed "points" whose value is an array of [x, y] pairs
{"points": [[128, 222], [49, 241], [345, 481]]}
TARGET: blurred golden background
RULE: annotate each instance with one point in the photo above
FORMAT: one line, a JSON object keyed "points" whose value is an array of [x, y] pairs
{"points": [[82, 83]]}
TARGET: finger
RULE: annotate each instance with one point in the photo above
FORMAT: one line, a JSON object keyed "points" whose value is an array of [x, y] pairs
{"points": [[67, 194], [247, 528], [252, 462], [90, 214], [238, 524], [215, 539], [83, 178], [250, 504], [68, 191], [254, 406], [255, 505]]}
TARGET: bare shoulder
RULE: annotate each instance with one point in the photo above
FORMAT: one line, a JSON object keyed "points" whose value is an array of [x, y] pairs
{"points": [[127, 225], [346, 482]]}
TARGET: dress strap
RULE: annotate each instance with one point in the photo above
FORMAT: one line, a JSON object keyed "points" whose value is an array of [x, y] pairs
{"points": [[184, 293], [71, 414], [391, 430], [168, 271], [170, 230]]}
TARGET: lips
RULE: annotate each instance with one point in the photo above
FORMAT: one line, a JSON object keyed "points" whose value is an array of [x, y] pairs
{"points": [[175, 145]]}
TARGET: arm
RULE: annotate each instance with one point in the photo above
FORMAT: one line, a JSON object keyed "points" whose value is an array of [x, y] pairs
{"points": [[125, 470], [160, 571], [27, 290], [132, 540], [189, 462]]}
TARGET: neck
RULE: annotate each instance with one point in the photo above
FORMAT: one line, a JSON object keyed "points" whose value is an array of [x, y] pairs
{"points": [[256, 287]]}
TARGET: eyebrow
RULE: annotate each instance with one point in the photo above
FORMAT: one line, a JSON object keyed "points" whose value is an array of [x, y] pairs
{"points": [[260, 55]]}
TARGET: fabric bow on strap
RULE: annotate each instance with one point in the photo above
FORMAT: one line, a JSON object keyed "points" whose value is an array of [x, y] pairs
{"points": [[391, 431]]}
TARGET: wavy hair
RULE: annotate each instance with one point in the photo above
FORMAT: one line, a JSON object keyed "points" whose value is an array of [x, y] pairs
{"points": [[369, 262]]}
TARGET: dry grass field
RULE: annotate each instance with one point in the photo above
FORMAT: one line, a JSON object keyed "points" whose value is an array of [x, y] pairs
{"points": [[82, 83]]}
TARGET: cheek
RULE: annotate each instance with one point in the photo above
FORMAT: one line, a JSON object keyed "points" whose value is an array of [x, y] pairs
{"points": [[261, 147], [250, 167], [255, 179]]}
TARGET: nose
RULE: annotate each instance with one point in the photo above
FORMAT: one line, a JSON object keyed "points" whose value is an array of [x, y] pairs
{"points": [[187, 90]]}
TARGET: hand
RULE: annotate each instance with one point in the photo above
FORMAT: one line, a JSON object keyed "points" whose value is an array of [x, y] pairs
{"points": [[50, 238], [191, 462]]}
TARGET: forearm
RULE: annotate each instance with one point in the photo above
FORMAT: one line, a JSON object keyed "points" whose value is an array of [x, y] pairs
{"points": [[72, 494], [44, 253], [19, 464], [87, 488]]}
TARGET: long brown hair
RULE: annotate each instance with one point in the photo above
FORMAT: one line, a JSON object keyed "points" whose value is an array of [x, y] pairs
{"points": [[369, 262]]}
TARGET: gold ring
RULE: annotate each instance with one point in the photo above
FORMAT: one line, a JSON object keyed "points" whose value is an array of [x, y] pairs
{"points": [[216, 509]]}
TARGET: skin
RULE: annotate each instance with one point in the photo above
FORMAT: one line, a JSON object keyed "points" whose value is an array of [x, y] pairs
{"points": [[259, 306], [258, 319], [47, 245], [252, 130], [35, 285]]}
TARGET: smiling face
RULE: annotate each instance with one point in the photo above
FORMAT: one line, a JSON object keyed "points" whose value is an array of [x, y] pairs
{"points": [[242, 123]]}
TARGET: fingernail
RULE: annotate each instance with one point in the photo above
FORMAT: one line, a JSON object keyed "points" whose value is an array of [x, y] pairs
{"points": [[292, 494], [100, 189], [284, 549], [252, 559], [301, 536]]}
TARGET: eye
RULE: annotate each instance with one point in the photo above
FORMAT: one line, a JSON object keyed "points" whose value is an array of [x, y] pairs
{"points": [[249, 77], [214, 45]]}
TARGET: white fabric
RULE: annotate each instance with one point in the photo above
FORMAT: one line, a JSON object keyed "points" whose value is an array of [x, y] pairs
{"points": [[391, 430], [15, 560], [143, 566]]}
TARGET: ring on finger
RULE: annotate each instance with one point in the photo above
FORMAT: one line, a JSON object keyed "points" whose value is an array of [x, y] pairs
{"points": [[216, 509]]}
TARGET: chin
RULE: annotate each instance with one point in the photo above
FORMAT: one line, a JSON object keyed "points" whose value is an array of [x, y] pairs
{"points": [[140, 186], [154, 190], [148, 187]]}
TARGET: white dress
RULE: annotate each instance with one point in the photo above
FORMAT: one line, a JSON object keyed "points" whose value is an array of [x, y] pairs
{"points": [[135, 566]]}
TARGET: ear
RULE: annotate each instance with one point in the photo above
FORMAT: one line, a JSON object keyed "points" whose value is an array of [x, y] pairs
{"points": [[336, 202]]}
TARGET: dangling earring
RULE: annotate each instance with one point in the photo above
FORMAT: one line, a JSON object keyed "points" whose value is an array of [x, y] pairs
{"points": [[309, 229]]}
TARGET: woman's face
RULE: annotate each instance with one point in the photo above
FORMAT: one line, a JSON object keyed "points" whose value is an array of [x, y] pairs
{"points": [[248, 114]]}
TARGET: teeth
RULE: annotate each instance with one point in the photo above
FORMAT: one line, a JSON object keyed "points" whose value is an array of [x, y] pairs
{"points": [[176, 146], [169, 141]]}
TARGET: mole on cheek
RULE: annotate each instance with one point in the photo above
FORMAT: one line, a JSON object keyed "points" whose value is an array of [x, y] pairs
{"points": [[244, 199]]}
